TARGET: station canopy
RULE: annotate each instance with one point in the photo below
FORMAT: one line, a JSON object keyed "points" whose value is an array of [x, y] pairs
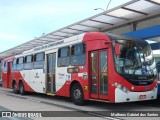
{"points": [[130, 12]]}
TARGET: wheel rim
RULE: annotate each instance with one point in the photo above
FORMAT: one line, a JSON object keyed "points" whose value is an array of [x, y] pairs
{"points": [[21, 88], [15, 87], [77, 94]]}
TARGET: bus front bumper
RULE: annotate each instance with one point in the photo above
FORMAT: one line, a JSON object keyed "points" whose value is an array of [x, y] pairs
{"points": [[121, 96]]}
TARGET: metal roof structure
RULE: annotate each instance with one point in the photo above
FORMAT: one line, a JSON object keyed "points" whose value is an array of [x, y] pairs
{"points": [[130, 12]]}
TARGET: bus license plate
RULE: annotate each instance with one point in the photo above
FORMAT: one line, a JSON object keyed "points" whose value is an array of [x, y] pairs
{"points": [[142, 97]]}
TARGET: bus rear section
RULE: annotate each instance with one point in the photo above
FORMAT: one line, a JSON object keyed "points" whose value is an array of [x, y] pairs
{"points": [[6, 72], [90, 66]]}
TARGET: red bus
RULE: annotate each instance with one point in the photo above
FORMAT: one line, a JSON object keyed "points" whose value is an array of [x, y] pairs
{"points": [[89, 66]]}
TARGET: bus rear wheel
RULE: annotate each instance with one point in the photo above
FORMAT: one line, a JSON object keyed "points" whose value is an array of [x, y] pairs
{"points": [[21, 88], [77, 96], [15, 90]]}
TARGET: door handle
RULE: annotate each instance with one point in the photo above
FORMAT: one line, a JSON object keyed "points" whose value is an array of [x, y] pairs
{"points": [[94, 77]]}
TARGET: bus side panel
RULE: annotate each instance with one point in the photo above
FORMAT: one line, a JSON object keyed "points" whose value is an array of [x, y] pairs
{"points": [[17, 76], [9, 77], [26, 79], [65, 88], [111, 76], [6, 75], [84, 71], [37, 80], [64, 80], [60, 81], [4, 79], [63, 91]]}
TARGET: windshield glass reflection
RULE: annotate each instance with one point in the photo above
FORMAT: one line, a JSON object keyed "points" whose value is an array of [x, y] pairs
{"points": [[134, 58]]}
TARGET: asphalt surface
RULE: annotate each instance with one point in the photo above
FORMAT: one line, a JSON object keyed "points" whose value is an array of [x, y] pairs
{"points": [[61, 107]]}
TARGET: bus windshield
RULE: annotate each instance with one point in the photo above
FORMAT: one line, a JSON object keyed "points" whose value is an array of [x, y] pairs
{"points": [[134, 58]]}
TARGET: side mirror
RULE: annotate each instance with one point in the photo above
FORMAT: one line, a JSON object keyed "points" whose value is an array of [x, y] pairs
{"points": [[117, 49]]}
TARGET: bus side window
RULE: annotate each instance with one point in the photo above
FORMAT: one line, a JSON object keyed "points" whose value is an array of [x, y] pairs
{"points": [[20, 62], [5, 66], [39, 60], [78, 54], [14, 64], [63, 57], [28, 60]]}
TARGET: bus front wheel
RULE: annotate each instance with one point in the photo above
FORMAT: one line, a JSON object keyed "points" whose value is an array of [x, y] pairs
{"points": [[77, 94]]}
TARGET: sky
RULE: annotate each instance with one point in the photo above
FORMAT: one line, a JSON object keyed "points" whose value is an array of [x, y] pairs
{"points": [[23, 20]]}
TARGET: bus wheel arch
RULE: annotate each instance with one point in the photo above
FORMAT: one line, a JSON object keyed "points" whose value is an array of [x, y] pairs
{"points": [[21, 87], [76, 93], [14, 87]]}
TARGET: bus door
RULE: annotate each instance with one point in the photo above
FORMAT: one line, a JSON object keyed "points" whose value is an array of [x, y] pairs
{"points": [[51, 64], [9, 77], [98, 74]]}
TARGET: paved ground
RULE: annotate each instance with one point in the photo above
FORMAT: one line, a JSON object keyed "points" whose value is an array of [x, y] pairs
{"points": [[63, 107]]}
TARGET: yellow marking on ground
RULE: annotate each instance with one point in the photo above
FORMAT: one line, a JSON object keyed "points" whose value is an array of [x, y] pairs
{"points": [[51, 94]]}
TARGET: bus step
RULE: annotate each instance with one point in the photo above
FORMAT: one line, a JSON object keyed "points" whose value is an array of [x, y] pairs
{"points": [[51, 94], [99, 100]]}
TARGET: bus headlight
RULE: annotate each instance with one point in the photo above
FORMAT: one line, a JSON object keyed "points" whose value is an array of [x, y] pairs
{"points": [[132, 87], [121, 87], [155, 88]]}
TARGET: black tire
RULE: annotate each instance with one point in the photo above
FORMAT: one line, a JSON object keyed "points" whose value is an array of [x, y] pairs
{"points": [[21, 88], [77, 96], [15, 90]]}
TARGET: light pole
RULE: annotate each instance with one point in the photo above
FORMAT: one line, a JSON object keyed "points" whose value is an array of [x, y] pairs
{"points": [[100, 9], [108, 4], [106, 7], [41, 36]]}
